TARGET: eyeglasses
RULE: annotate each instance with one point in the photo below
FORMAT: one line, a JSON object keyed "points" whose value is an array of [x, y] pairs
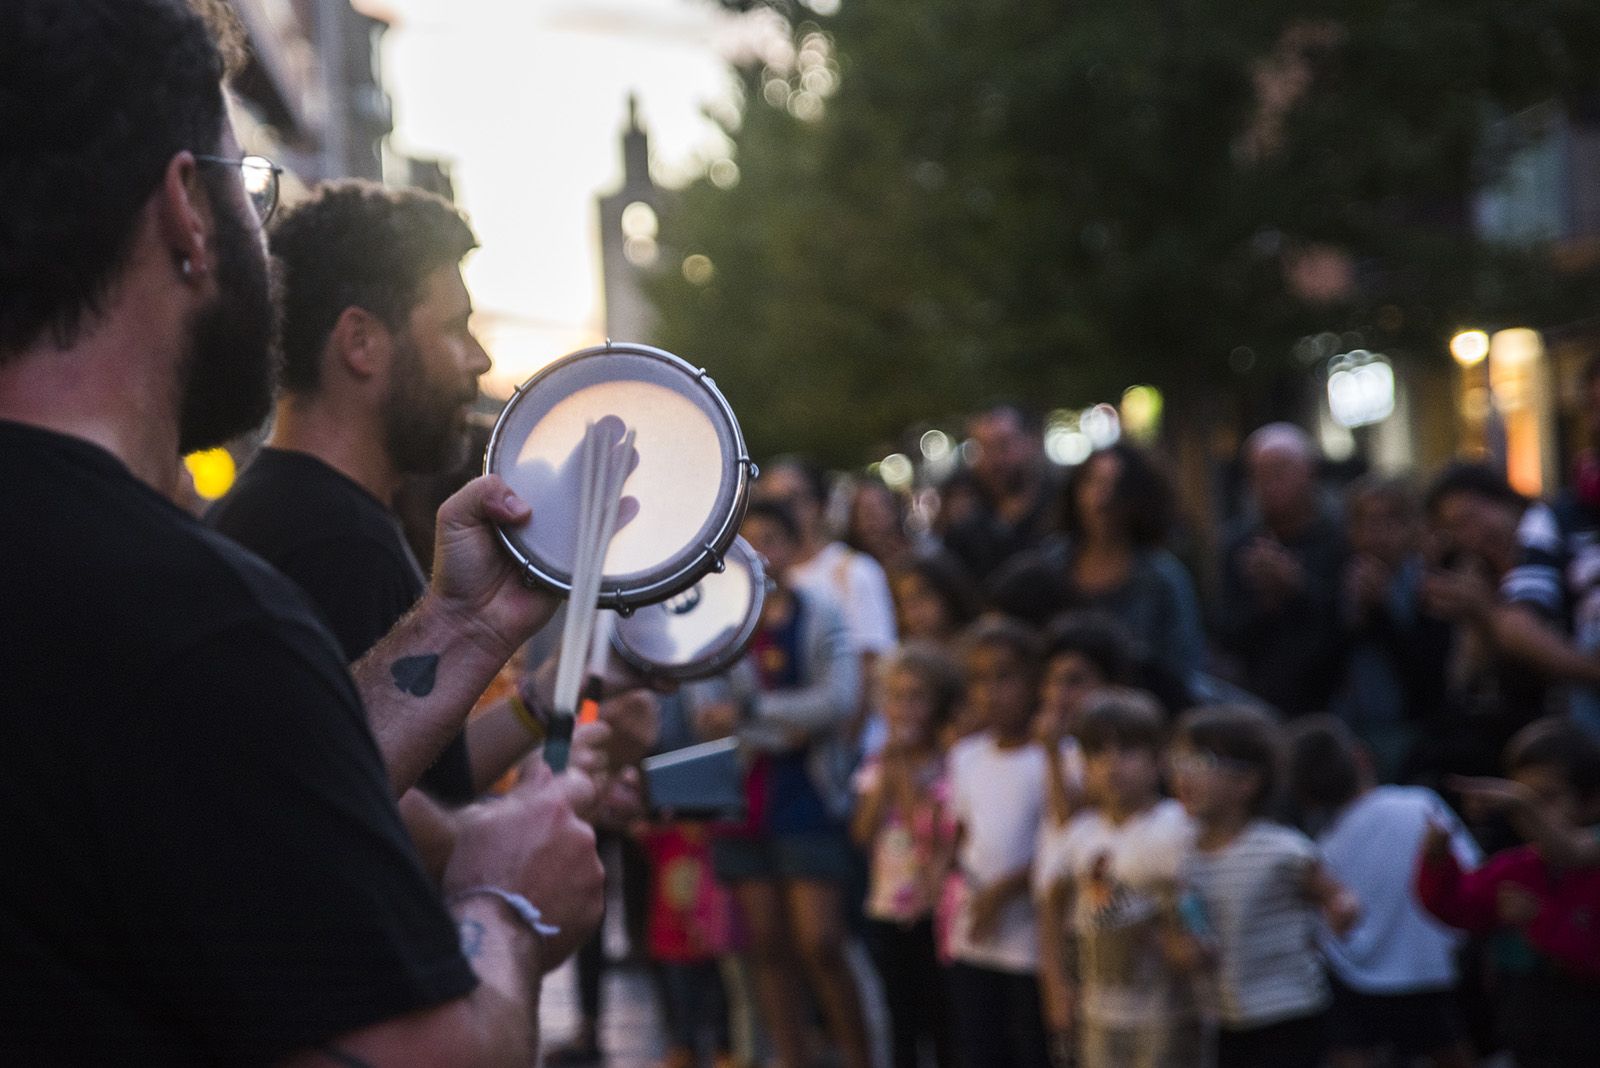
{"points": [[260, 181]]}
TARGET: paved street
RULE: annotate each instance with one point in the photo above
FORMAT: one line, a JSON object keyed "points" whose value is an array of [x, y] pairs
{"points": [[630, 1029], [630, 1033]]}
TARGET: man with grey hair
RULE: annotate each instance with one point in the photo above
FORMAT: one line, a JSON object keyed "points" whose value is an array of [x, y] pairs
{"points": [[1280, 576]]}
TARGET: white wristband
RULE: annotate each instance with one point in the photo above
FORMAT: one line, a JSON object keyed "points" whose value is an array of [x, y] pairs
{"points": [[526, 910]]}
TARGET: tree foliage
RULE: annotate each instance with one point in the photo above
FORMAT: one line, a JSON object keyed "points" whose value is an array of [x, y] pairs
{"points": [[1051, 201]]}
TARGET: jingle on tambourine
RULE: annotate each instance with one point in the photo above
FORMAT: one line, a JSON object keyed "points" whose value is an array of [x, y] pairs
{"points": [[702, 631], [683, 501]]}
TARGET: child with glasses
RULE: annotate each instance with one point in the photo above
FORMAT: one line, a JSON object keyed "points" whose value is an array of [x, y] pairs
{"points": [[1106, 895], [1258, 889]]}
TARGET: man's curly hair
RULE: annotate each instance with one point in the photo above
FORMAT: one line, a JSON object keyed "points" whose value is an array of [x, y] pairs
{"points": [[96, 97], [357, 244]]}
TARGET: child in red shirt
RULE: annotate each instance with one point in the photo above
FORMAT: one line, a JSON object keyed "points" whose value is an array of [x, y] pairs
{"points": [[1545, 916], [690, 929]]}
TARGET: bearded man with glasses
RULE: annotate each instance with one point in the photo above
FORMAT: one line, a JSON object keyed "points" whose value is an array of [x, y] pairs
{"points": [[205, 861]]}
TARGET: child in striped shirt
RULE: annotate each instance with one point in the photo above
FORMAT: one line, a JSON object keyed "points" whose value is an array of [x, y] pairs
{"points": [[1258, 887]]}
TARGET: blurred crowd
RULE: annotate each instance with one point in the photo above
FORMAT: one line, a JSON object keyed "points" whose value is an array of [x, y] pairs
{"points": [[1335, 805]]}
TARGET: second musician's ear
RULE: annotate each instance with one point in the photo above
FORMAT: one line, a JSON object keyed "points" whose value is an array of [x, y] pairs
{"points": [[360, 345]]}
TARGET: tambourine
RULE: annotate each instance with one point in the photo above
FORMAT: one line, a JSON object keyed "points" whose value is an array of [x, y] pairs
{"points": [[691, 484], [702, 631]]}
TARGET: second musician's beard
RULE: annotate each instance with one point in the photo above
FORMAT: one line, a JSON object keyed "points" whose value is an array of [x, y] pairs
{"points": [[424, 422]]}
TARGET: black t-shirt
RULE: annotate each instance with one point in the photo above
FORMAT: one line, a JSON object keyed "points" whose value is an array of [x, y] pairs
{"points": [[347, 552], [203, 860], [983, 541], [1293, 655]]}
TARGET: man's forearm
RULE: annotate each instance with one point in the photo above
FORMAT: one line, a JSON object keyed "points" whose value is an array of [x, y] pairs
{"points": [[495, 1026], [431, 830], [419, 683], [1519, 633], [505, 954], [496, 739]]}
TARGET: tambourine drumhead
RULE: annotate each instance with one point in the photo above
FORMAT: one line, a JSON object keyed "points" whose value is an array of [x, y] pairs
{"points": [[691, 482], [703, 630]]}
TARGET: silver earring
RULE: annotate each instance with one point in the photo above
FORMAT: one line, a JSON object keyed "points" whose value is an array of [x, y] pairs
{"points": [[187, 267]]}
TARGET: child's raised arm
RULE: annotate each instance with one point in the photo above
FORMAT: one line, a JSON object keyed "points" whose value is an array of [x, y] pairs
{"points": [[1062, 799], [1058, 958], [872, 805], [1561, 844], [943, 858], [990, 901], [1467, 901], [1340, 908], [1187, 941]]}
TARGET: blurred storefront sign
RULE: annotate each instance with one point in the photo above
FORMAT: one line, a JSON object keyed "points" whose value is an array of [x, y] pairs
{"points": [[1505, 399]]}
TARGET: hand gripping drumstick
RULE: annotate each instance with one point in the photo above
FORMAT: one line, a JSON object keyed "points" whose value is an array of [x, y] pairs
{"points": [[604, 464]]}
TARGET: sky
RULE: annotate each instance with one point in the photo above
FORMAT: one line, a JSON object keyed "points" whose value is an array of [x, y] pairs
{"points": [[527, 99]]}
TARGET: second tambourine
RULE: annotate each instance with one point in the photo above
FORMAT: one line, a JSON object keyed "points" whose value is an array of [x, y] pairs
{"points": [[702, 631]]}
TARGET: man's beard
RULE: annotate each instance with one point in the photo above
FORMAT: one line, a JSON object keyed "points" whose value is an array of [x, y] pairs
{"points": [[424, 430], [232, 363]]}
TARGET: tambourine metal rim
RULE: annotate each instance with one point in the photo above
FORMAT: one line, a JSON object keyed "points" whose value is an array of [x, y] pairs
{"points": [[710, 556], [706, 667]]}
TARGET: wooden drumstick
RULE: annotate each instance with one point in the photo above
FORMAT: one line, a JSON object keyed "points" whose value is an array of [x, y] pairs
{"points": [[566, 676], [569, 663], [602, 516], [598, 633], [604, 465]]}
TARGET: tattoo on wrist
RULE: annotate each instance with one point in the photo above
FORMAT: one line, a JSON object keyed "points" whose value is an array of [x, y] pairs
{"points": [[471, 933], [416, 675]]}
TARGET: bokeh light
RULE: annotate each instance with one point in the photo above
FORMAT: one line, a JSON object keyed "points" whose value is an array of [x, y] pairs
{"points": [[936, 445], [1101, 425], [1469, 347], [724, 174], [1360, 389], [697, 269], [1141, 411], [213, 471], [897, 471], [639, 221], [1067, 446]]}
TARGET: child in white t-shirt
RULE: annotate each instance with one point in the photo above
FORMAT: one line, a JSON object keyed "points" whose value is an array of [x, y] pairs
{"points": [[1110, 894], [1258, 888], [997, 786], [1394, 975]]}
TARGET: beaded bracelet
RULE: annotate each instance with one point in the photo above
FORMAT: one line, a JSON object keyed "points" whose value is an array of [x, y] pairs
{"points": [[531, 721]]}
